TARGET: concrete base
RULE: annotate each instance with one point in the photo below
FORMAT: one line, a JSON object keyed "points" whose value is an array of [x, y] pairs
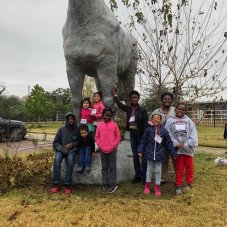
{"points": [[125, 170]]}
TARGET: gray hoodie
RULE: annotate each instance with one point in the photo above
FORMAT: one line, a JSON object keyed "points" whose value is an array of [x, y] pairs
{"points": [[183, 130], [66, 134]]}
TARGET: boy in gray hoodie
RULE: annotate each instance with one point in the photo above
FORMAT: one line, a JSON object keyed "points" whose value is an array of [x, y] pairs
{"points": [[65, 149], [183, 134]]}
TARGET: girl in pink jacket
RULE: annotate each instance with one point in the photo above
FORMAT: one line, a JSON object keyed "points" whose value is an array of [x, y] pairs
{"points": [[86, 117], [107, 138], [98, 107]]}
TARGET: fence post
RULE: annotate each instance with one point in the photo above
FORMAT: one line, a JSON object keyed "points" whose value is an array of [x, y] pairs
{"points": [[214, 113]]}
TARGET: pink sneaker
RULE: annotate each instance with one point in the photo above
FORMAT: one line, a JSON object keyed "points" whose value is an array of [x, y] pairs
{"points": [[147, 190], [67, 191], [54, 190], [157, 191]]}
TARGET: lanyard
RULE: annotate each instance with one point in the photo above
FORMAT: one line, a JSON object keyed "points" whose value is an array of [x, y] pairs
{"points": [[157, 129]]}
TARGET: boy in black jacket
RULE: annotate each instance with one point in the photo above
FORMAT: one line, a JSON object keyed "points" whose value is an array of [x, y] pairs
{"points": [[137, 118], [86, 146]]}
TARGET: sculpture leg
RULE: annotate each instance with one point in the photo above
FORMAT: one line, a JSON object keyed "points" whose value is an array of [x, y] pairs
{"points": [[97, 84], [76, 81], [107, 80]]}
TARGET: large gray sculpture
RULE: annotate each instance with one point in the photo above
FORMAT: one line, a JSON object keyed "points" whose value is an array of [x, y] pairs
{"points": [[96, 45]]}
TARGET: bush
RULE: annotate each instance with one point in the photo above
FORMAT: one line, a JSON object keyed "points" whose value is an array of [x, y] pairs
{"points": [[17, 172]]}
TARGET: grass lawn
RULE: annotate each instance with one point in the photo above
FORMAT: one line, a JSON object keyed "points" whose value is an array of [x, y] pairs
{"points": [[49, 127], [211, 137], [204, 205]]}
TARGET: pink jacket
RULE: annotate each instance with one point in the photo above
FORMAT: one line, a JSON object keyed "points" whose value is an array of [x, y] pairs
{"points": [[99, 108], [107, 136], [86, 114]]}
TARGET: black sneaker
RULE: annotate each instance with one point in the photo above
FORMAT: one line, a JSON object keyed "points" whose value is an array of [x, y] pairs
{"points": [[105, 188], [163, 181], [112, 189], [136, 180]]}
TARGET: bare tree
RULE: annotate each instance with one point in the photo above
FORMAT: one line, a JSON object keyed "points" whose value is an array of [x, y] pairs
{"points": [[182, 47], [2, 87]]}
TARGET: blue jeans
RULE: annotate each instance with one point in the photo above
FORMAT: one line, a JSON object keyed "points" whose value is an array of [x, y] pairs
{"points": [[69, 157], [156, 167], [140, 168], [85, 157]]}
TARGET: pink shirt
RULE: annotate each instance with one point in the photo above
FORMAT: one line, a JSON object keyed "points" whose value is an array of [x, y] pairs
{"points": [[107, 136], [86, 114], [99, 106]]}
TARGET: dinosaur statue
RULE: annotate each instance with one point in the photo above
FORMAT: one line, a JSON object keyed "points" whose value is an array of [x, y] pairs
{"points": [[95, 45]]}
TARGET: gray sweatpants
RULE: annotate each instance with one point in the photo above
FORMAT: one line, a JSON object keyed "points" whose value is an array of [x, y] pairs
{"points": [[109, 169], [156, 167]]}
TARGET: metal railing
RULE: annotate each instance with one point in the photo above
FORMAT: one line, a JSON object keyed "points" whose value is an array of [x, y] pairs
{"points": [[209, 118]]}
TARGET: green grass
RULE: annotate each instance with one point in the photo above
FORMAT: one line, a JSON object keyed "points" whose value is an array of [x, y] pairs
{"points": [[48, 128], [204, 205], [211, 137]]}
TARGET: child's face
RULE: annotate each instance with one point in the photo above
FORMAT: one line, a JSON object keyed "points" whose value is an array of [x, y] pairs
{"points": [[86, 105], [70, 120], [156, 119], [134, 99], [107, 116], [97, 98], [83, 133], [180, 110]]}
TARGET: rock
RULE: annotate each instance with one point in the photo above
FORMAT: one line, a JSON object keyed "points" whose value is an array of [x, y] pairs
{"points": [[125, 170]]}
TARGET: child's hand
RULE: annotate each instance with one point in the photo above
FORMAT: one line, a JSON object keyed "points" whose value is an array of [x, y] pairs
{"points": [[181, 145], [69, 146], [95, 154], [113, 91], [140, 154]]}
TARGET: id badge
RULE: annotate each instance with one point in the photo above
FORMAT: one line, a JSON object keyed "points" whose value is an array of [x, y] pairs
{"points": [[132, 119], [158, 138], [180, 127], [83, 121], [94, 111]]}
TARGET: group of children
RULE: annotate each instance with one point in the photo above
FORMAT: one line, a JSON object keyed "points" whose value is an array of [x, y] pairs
{"points": [[149, 142]]}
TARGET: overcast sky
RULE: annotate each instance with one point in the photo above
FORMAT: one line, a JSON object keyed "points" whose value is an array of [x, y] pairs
{"points": [[31, 49], [31, 44]]}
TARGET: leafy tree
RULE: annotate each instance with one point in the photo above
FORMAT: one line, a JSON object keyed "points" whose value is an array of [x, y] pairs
{"points": [[38, 105], [182, 45], [11, 107], [61, 99]]}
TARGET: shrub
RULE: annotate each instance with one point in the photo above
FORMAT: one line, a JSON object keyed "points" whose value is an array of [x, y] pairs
{"points": [[16, 171]]}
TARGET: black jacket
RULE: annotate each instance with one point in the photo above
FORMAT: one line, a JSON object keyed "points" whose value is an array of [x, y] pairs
{"points": [[89, 141], [225, 131], [141, 116]]}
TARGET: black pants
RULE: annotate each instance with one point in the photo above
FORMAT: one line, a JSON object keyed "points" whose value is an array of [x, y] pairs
{"points": [[109, 169]]}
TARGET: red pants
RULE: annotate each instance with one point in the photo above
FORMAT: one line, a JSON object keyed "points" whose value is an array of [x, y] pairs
{"points": [[184, 162]]}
